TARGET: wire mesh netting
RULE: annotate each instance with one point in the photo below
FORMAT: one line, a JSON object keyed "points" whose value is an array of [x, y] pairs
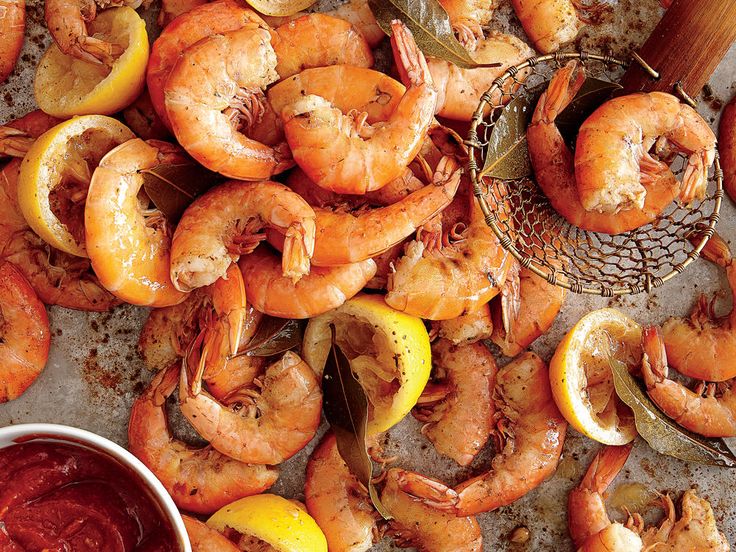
{"points": [[584, 261]]}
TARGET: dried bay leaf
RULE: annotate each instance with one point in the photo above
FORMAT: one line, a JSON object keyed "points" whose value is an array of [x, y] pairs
{"points": [[172, 187], [274, 336], [662, 433], [591, 95], [345, 406], [429, 23]]}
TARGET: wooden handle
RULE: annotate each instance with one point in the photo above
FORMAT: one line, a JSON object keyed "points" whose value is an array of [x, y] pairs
{"points": [[686, 46]]}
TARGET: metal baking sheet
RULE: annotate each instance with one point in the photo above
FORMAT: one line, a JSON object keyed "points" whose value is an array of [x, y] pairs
{"points": [[94, 371]]}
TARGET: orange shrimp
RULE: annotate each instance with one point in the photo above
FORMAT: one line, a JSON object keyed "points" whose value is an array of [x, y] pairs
{"points": [[457, 407], [368, 157], [25, 337], [223, 224], [517, 327], [592, 531], [213, 118], [459, 90], [323, 289], [205, 539], [213, 317], [588, 523], [284, 417], [128, 242], [423, 515], [727, 147], [703, 346], [461, 277], [13, 25], [67, 22], [468, 17], [554, 167], [318, 40], [467, 328], [613, 158], [338, 502], [196, 24], [701, 411], [171, 9], [531, 432], [549, 24], [141, 117], [199, 480]]}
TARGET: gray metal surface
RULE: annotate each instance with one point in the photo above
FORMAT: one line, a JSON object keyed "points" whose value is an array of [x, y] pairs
{"points": [[94, 371]]}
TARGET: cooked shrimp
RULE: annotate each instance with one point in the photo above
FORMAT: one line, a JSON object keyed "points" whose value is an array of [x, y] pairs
{"points": [[592, 531], [14, 142], [531, 431], [205, 539], [223, 224], [214, 98], [727, 147], [236, 378], [278, 422], [459, 278], [338, 502], [345, 154], [171, 9], [613, 158], [554, 167], [128, 242], [25, 336], [198, 23], [215, 316], [323, 289], [459, 90], [423, 515], [67, 22], [590, 528], [710, 410], [466, 328], [13, 25], [539, 303], [468, 18], [317, 40], [57, 277], [703, 346], [198, 479], [457, 407], [549, 24]]}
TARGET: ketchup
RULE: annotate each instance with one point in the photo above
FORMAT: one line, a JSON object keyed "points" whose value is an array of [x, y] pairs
{"points": [[67, 498]]}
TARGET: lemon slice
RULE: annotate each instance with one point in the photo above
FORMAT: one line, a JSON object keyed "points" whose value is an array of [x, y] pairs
{"points": [[388, 351], [581, 377], [66, 86], [281, 523], [55, 175]]}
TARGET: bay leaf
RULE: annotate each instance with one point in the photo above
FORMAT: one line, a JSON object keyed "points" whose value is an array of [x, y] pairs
{"points": [[507, 155], [172, 187], [280, 8], [274, 336], [660, 432], [345, 406], [591, 95], [429, 23]]}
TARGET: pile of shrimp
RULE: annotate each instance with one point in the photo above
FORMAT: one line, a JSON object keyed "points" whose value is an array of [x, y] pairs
{"points": [[335, 178]]}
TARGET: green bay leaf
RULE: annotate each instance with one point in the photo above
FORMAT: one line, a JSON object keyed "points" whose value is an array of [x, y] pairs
{"points": [[274, 336], [172, 186]]}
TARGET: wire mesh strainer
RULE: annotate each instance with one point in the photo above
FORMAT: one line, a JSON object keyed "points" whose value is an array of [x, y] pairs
{"points": [[580, 260]]}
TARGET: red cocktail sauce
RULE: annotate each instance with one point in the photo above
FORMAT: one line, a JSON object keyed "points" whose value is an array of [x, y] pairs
{"points": [[62, 497]]}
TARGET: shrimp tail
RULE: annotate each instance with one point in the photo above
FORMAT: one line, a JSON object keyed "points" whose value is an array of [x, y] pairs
{"points": [[695, 180], [562, 89], [716, 250], [409, 58], [654, 362], [298, 250], [605, 467], [95, 50], [14, 142], [511, 300], [430, 492]]}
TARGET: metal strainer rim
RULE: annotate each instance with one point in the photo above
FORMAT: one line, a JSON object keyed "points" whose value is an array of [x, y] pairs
{"points": [[526, 260]]}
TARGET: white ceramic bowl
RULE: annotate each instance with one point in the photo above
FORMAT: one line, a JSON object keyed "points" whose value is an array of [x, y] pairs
{"points": [[53, 432]]}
